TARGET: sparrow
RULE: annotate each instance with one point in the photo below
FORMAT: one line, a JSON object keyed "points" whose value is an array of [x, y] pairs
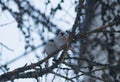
{"points": [[50, 47], [61, 40]]}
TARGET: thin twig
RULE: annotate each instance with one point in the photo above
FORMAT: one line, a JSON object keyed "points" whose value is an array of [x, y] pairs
{"points": [[98, 29], [62, 76], [6, 47], [7, 23]]}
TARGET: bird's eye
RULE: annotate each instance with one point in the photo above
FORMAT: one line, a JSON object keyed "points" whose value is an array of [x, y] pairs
{"points": [[51, 40], [61, 34]]}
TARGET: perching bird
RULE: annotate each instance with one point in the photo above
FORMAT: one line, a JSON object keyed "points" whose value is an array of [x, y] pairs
{"points": [[61, 40], [50, 47]]}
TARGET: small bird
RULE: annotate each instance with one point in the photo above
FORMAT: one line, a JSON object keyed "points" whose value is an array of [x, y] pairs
{"points": [[61, 40], [50, 47]]}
